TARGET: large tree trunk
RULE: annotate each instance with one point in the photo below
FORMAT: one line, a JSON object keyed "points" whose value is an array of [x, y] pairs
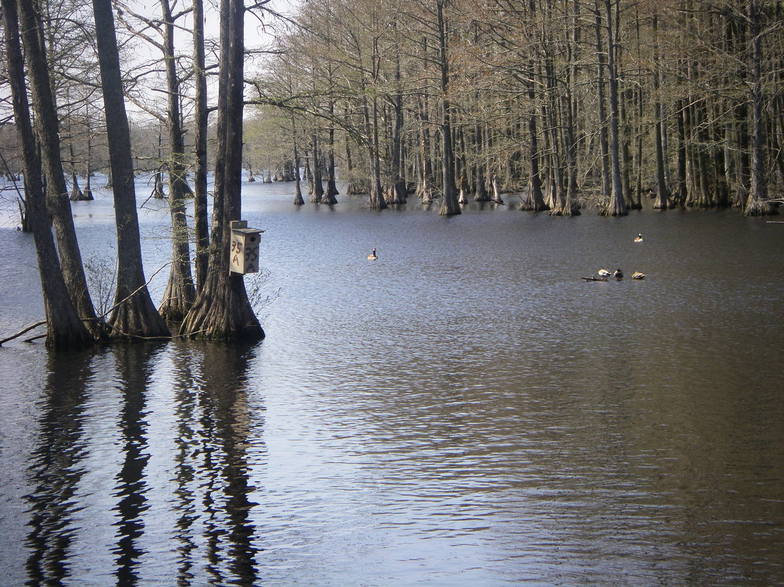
{"points": [[682, 189], [377, 201], [47, 130], [449, 203], [134, 315], [318, 183], [180, 292], [480, 185], [88, 190], [201, 224], [330, 197], [535, 200], [568, 205], [399, 194], [76, 192], [222, 310], [601, 54], [757, 202], [617, 205], [425, 187], [65, 329], [298, 200], [662, 192]]}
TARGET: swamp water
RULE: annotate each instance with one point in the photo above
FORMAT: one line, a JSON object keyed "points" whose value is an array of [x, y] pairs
{"points": [[463, 411]]}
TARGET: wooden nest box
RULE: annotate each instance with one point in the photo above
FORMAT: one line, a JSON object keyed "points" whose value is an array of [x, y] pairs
{"points": [[244, 253]]}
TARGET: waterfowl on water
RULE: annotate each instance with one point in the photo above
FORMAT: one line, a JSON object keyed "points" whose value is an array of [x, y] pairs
{"points": [[638, 275], [638, 238], [618, 274], [603, 273], [373, 256]]}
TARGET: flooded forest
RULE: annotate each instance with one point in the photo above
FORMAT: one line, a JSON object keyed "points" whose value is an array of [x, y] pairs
{"points": [[599, 106], [371, 292]]}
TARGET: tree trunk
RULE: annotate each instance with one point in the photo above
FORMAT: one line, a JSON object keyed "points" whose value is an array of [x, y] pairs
{"points": [[180, 292], [298, 200], [65, 329], [135, 314], [157, 183], [318, 181], [535, 200], [480, 188], [201, 223], [47, 131], [617, 205], [662, 192], [76, 193], [308, 173], [496, 199], [399, 194], [757, 203], [425, 187], [88, 192], [332, 188], [682, 191], [449, 204], [601, 54], [222, 310]]}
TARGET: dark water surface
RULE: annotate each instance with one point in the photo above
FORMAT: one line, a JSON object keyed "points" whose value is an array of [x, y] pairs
{"points": [[463, 411]]}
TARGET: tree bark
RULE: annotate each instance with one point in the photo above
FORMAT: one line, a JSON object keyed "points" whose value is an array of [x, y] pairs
{"points": [[449, 203], [201, 224], [47, 130], [135, 315], [298, 199], [65, 329], [180, 291], [757, 203], [535, 200], [222, 310], [601, 54], [662, 191], [425, 187], [399, 194], [617, 205]]}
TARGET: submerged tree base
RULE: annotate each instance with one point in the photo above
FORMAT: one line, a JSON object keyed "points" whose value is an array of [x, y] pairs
{"points": [[755, 207], [230, 319], [137, 319]]}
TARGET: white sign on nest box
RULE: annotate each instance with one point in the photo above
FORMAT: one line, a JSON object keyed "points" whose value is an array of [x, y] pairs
{"points": [[245, 243]]}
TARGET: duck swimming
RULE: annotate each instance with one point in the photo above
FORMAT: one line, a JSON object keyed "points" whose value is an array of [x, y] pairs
{"points": [[638, 238]]}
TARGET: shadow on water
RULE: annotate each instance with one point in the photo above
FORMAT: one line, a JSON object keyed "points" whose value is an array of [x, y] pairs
{"points": [[55, 469], [212, 462]]}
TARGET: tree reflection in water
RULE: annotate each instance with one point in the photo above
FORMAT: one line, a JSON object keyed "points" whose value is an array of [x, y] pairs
{"points": [[195, 392], [55, 468], [212, 468], [135, 371]]}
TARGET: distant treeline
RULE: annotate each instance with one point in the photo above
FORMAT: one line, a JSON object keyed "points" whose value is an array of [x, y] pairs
{"points": [[574, 103]]}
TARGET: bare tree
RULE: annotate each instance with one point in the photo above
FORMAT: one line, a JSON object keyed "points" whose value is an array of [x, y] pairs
{"points": [[222, 309], [134, 314], [47, 130], [65, 329]]}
